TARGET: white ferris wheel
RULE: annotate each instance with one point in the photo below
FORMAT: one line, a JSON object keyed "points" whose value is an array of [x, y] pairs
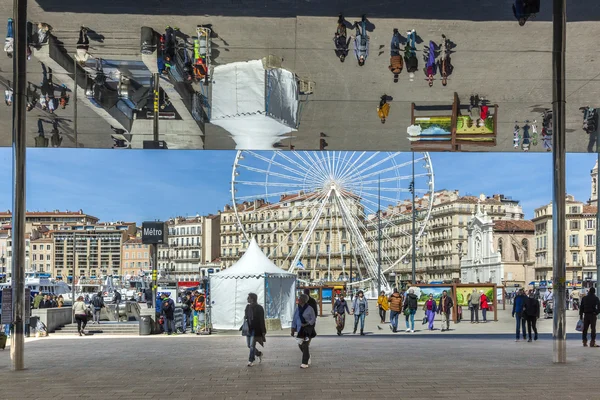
{"points": [[316, 213]]}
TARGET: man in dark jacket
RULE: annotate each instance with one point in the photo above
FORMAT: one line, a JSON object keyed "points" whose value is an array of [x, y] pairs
{"points": [[517, 312], [445, 308], [148, 297], [531, 312], [168, 311], [255, 316], [340, 308], [588, 312], [312, 302], [411, 305], [98, 304]]}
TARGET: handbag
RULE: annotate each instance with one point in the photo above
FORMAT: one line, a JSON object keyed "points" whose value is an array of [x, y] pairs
{"points": [[406, 312], [424, 320], [245, 328], [579, 326]]}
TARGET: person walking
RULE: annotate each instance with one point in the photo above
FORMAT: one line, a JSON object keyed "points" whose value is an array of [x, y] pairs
{"points": [[341, 40], [383, 110], [361, 41], [483, 302], [395, 304], [254, 316], [40, 139], [303, 327], [517, 312], [429, 57], [80, 313], [395, 57], [430, 308], [531, 311], [588, 313], [168, 312], [410, 54], [340, 308], [383, 306], [117, 301], [474, 299], [444, 308], [360, 309], [56, 139], [444, 62], [311, 301], [410, 309], [83, 45], [98, 304]]}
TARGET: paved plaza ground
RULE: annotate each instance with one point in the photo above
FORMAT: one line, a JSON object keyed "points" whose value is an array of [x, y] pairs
{"points": [[479, 361], [372, 367]]}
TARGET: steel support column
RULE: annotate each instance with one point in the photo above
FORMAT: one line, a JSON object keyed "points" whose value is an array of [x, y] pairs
{"points": [[17, 348], [156, 78], [559, 187], [414, 217]]}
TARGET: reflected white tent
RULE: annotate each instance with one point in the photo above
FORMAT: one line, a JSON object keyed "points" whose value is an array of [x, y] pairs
{"points": [[256, 105], [253, 273]]}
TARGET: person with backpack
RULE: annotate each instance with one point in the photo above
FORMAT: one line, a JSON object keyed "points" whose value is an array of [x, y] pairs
{"points": [[410, 309], [168, 312], [410, 54], [98, 305], [531, 312], [341, 40], [473, 301]]}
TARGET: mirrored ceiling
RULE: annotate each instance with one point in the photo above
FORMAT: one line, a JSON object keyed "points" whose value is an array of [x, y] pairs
{"points": [[303, 75]]}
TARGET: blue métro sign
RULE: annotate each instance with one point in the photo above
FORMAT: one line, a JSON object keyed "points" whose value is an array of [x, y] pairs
{"points": [[154, 232]]}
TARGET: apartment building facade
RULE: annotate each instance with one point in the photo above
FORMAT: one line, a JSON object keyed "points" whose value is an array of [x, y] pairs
{"points": [[581, 241], [193, 244], [53, 220], [135, 257], [90, 250]]}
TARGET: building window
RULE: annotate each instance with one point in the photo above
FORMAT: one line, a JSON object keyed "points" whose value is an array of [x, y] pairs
{"points": [[574, 225], [34, 247], [500, 248], [146, 254], [575, 257], [589, 224], [589, 240], [574, 209], [573, 240], [590, 259]]}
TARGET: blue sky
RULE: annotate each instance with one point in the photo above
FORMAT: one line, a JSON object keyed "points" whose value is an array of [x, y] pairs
{"points": [[146, 185]]}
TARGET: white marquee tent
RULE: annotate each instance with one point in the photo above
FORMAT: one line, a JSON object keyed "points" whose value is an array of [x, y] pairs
{"points": [[253, 273], [256, 105]]}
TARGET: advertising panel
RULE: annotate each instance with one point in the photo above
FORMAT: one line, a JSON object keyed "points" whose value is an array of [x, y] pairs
{"points": [[424, 292], [463, 293]]}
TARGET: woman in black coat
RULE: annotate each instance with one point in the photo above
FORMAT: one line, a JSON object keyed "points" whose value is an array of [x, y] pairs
{"points": [[254, 316]]}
